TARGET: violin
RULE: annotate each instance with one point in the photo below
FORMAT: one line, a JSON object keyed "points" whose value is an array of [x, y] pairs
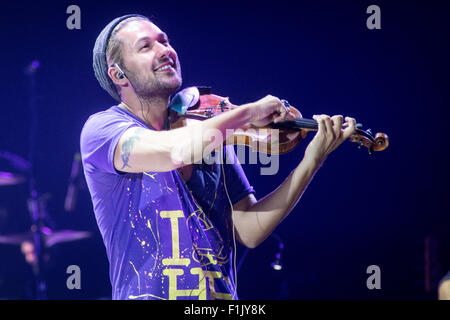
{"points": [[197, 103]]}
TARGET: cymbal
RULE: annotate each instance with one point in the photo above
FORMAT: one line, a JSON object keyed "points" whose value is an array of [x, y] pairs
{"points": [[8, 178], [50, 237], [14, 162], [66, 236]]}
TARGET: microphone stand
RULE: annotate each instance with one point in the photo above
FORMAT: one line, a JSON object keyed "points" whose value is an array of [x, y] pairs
{"points": [[34, 208]]}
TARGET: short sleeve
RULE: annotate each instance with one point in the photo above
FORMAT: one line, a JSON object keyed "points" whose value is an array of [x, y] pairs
{"points": [[236, 181], [99, 138]]}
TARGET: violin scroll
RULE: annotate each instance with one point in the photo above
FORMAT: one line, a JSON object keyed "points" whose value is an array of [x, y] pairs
{"points": [[365, 138]]}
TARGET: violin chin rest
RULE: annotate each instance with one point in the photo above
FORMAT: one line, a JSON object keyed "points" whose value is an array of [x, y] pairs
{"points": [[185, 99]]}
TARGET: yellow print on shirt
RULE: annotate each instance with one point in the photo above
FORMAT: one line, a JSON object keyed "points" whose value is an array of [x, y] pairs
{"points": [[205, 278]]}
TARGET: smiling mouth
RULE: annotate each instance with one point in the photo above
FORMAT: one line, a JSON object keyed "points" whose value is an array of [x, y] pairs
{"points": [[168, 66], [165, 68]]}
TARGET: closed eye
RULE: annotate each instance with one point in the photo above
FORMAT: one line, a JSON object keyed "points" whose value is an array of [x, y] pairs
{"points": [[145, 46], [147, 42]]}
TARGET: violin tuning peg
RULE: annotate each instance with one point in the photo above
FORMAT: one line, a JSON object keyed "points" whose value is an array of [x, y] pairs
{"points": [[360, 144]]}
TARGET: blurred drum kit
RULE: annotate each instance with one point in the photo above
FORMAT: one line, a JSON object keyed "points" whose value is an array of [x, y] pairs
{"points": [[34, 244], [16, 171]]}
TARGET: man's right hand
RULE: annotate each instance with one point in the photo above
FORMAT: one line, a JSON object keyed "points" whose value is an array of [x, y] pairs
{"points": [[268, 109]]}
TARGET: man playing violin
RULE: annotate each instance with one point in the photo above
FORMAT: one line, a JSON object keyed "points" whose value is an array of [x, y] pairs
{"points": [[168, 222]]}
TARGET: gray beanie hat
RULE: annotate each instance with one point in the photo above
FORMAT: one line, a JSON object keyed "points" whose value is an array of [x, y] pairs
{"points": [[99, 55]]}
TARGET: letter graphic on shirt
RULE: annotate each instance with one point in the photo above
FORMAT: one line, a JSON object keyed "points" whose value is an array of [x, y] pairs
{"points": [[211, 275], [173, 290], [175, 260]]}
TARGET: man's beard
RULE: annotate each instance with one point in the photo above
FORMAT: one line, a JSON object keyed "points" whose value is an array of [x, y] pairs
{"points": [[147, 88]]}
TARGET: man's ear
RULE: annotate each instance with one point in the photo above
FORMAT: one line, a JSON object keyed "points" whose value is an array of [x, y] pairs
{"points": [[117, 76]]}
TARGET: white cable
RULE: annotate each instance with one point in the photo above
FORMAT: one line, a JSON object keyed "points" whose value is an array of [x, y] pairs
{"points": [[232, 221]]}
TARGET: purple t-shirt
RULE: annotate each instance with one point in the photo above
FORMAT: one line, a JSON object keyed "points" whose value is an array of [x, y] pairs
{"points": [[165, 238]]}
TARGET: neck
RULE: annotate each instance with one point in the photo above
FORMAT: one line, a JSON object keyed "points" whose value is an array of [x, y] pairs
{"points": [[152, 111]]}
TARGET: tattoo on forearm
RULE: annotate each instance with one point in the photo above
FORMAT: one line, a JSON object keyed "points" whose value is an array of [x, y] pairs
{"points": [[128, 145]]}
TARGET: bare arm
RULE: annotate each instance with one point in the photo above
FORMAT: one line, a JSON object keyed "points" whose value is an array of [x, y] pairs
{"points": [[141, 150], [255, 220], [444, 290]]}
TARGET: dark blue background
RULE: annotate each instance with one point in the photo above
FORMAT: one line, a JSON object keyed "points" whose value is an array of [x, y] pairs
{"points": [[358, 211]]}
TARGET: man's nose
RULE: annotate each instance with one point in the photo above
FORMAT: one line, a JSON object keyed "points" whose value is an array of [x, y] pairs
{"points": [[162, 49]]}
